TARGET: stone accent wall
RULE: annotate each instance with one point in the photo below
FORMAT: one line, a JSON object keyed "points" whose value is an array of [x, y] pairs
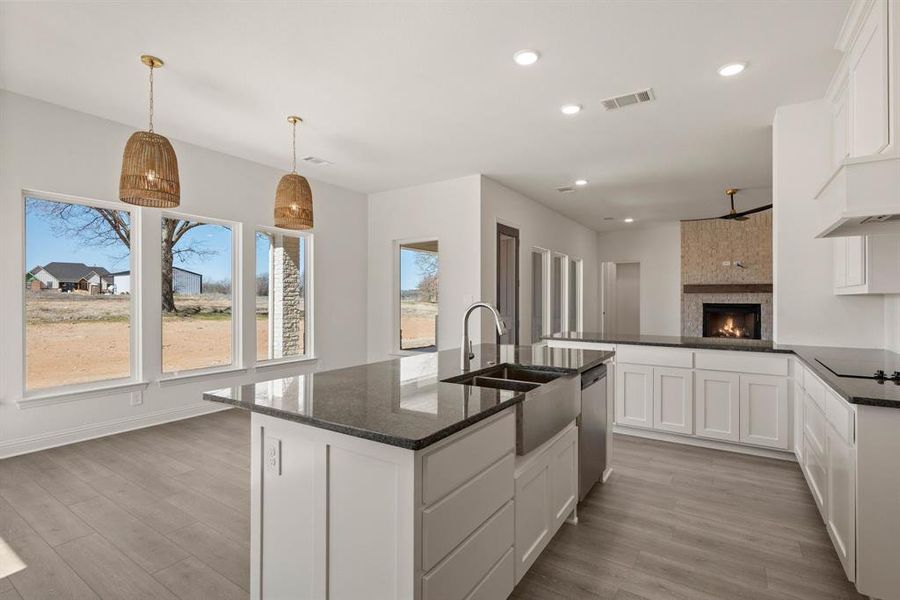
{"points": [[705, 245], [287, 314]]}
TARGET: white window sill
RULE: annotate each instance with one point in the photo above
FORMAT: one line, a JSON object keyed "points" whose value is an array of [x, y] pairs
{"points": [[265, 365], [58, 396], [199, 375]]}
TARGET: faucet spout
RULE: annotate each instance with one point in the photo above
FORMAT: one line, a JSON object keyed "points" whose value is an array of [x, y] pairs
{"points": [[466, 350]]}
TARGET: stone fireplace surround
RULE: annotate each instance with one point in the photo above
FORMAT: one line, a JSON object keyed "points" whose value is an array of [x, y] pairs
{"points": [[692, 309]]}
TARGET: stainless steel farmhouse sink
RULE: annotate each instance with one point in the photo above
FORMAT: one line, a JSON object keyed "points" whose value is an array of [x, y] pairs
{"points": [[551, 399]]}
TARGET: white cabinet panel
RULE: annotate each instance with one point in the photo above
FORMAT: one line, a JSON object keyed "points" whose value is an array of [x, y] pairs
{"points": [[816, 427], [499, 583], [764, 411], [797, 413], [841, 127], [856, 260], [634, 395], [816, 475], [650, 355], [533, 515], [673, 399], [841, 416], [841, 500], [869, 125], [717, 401], [564, 476], [743, 362]]}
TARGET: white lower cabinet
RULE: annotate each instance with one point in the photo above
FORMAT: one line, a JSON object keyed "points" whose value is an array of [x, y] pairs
{"points": [[546, 494], [634, 395], [841, 500], [764, 411], [717, 405], [673, 399]]}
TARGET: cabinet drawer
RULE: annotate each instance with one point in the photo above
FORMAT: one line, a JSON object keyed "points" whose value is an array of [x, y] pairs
{"points": [[648, 355], [742, 362], [816, 475], [840, 415], [472, 561], [815, 426], [449, 467], [451, 520], [499, 582], [815, 389]]}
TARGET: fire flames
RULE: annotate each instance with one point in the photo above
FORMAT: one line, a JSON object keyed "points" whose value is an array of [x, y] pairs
{"points": [[729, 329]]}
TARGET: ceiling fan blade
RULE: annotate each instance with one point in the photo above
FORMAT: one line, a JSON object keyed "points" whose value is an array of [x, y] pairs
{"points": [[753, 210], [705, 219]]}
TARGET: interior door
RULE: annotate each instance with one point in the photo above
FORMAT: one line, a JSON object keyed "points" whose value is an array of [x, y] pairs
{"points": [[508, 281]]}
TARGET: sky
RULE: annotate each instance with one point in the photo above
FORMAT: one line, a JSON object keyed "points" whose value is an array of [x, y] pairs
{"points": [[410, 274], [42, 246]]}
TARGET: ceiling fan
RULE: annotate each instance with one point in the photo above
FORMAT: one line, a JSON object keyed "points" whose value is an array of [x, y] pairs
{"points": [[734, 215]]}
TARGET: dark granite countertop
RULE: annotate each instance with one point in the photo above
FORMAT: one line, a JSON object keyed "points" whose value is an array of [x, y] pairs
{"points": [[867, 392], [401, 402]]}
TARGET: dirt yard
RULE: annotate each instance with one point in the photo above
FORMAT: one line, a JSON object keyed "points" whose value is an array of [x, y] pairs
{"points": [[418, 324]]}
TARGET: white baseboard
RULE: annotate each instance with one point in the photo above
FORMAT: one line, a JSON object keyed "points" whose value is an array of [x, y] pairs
{"points": [[72, 435], [702, 443]]}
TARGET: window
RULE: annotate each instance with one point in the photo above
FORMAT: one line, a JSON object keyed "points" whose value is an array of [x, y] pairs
{"points": [[78, 306], [557, 292], [537, 294], [281, 295], [575, 294], [197, 294], [418, 296]]}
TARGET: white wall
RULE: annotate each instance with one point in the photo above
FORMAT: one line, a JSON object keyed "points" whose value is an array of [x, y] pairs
{"points": [[446, 211], [806, 309], [658, 249], [541, 227], [49, 148]]}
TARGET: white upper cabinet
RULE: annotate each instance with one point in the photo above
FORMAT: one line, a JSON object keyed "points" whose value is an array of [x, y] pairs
{"points": [[867, 83], [867, 264]]}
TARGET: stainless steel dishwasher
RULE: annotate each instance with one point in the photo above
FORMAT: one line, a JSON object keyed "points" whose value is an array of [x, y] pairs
{"points": [[592, 430]]}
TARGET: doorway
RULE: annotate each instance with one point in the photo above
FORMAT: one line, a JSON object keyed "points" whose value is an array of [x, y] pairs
{"points": [[621, 298], [508, 282]]}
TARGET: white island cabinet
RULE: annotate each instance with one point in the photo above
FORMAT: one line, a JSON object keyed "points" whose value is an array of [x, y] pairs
{"points": [[339, 517]]}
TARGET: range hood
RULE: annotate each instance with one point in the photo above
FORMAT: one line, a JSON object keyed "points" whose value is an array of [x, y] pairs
{"points": [[862, 197]]}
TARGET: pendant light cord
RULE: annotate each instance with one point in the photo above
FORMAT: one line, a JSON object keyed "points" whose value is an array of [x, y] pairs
{"points": [[151, 99], [294, 148]]}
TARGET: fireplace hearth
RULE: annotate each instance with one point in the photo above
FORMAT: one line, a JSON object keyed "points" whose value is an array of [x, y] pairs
{"points": [[732, 320]]}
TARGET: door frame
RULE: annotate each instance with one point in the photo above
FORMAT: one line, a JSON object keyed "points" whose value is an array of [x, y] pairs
{"points": [[512, 232]]}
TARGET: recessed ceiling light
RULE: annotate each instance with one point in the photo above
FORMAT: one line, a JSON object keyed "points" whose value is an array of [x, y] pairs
{"points": [[526, 57], [629, 220], [731, 69], [581, 182], [570, 109]]}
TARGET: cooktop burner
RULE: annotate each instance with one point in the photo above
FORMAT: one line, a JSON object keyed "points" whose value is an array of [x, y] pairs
{"points": [[883, 366]]}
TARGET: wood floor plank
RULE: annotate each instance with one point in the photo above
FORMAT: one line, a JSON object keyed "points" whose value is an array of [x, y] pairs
{"points": [[11, 594], [191, 579], [44, 513], [145, 546], [232, 523], [228, 558], [157, 513], [46, 576], [111, 574]]}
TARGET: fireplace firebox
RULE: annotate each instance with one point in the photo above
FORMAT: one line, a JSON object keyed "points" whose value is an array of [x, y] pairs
{"points": [[732, 320]]}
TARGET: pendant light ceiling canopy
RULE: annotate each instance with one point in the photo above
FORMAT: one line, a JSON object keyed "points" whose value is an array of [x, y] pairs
{"points": [[149, 165], [293, 198]]}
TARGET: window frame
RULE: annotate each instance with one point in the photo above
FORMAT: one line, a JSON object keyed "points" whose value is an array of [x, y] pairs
{"points": [[578, 263], [396, 342], [564, 290], [237, 360], [546, 293], [309, 285], [135, 340]]}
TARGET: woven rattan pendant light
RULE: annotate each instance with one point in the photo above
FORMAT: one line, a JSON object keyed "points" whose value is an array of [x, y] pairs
{"points": [[293, 198], [149, 166]]}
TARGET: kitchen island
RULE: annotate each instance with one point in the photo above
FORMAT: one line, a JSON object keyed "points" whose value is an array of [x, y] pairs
{"points": [[399, 479]]}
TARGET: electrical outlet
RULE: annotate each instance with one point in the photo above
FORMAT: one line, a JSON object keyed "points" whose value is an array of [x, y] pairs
{"points": [[137, 398], [726, 263], [273, 455]]}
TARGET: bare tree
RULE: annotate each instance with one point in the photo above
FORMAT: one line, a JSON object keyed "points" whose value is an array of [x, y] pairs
{"points": [[427, 263], [110, 228]]}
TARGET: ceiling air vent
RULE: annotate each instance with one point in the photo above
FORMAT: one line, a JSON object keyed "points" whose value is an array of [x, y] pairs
{"points": [[566, 189], [628, 99], [315, 160]]}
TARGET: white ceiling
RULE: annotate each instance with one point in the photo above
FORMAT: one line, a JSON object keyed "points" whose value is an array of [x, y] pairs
{"points": [[397, 94]]}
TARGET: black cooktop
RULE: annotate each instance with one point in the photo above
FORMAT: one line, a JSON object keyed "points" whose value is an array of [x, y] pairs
{"points": [[881, 366]]}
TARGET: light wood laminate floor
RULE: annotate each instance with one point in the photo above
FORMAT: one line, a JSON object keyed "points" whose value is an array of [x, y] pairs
{"points": [[163, 512]]}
